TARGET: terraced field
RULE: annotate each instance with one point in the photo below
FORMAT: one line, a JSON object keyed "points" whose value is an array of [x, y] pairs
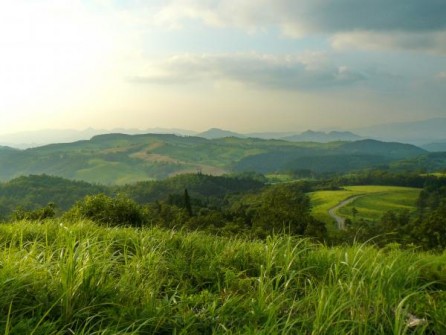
{"points": [[376, 200]]}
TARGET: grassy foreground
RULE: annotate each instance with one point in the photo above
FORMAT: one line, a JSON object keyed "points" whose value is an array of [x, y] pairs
{"points": [[60, 278]]}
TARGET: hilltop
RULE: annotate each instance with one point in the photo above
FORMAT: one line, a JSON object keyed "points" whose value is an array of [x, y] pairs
{"points": [[120, 158]]}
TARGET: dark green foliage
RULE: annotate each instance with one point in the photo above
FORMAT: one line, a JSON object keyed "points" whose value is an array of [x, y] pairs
{"points": [[47, 212], [33, 192], [199, 186], [430, 230], [187, 204], [385, 177], [279, 208], [117, 211]]}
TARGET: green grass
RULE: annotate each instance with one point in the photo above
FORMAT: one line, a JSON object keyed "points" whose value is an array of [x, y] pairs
{"points": [[376, 200], [60, 278], [436, 174], [372, 206]]}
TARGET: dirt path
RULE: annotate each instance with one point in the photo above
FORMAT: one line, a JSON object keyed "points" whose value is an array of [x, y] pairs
{"points": [[340, 221]]}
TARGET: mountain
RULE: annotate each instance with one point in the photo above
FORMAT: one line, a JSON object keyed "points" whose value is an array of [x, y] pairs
{"points": [[215, 133], [123, 159], [330, 158], [417, 132], [434, 161], [435, 147], [385, 149], [319, 136], [30, 139], [270, 135]]}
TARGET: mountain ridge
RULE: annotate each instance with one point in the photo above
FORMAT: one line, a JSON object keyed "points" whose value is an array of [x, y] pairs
{"points": [[122, 158]]}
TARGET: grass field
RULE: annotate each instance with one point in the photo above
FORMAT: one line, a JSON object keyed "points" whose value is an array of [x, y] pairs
{"points": [[60, 278], [375, 201]]}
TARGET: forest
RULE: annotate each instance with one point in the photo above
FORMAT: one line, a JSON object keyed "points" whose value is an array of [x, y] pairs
{"points": [[245, 204]]}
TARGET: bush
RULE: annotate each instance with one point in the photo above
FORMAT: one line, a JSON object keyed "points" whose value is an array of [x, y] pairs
{"points": [[107, 210], [47, 212]]}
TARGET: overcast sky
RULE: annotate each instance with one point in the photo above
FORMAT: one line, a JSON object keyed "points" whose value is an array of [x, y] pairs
{"points": [[244, 65]]}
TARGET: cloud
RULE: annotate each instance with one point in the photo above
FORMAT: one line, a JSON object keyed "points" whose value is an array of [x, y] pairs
{"points": [[434, 42], [314, 15], [306, 72], [441, 75], [382, 24]]}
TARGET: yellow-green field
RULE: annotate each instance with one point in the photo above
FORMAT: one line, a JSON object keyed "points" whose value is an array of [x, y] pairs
{"points": [[436, 174], [375, 201]]}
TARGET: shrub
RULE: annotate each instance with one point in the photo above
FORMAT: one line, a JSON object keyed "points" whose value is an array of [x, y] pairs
{"points": [[103, 209]]}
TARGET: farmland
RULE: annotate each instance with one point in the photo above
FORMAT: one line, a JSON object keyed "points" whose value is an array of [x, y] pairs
{"points": [[373, 202]]}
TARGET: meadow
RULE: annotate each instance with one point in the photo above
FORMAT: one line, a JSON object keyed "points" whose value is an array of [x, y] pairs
{"points": [[58, 277], [373, 202]]}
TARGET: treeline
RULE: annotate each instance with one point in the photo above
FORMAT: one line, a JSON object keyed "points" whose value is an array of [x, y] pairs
{"points": [[36, 191], [33, 192], [238, 204], [388, 178], [258, 213]]}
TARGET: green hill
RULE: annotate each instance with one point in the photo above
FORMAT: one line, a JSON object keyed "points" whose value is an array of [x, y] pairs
{"points": [[121, 159], [36, 191], [431, 162]]}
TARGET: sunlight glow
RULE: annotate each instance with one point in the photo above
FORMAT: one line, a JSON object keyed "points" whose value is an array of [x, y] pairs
{"points": [[50, 51]]}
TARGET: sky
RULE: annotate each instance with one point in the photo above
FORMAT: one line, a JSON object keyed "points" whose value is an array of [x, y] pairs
{"points": [[243, 65]]}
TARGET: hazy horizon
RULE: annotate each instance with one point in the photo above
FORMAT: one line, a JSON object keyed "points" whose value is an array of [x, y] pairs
{"points": [[244, 66]]}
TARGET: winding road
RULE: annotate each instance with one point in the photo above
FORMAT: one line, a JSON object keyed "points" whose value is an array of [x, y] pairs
{"points": [[340, 221]]}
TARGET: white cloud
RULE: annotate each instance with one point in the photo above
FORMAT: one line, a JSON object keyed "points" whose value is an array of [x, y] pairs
{"points": [[434, 42], [287, 72], [369, 24], [441, 75]]}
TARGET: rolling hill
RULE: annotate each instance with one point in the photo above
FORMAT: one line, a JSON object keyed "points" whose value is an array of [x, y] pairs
{"points": [[415, 132], [319, 136], [121, 159]]}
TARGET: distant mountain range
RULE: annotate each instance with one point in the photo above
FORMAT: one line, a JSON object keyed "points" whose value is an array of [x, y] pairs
{"points": [[31, 139], [214, 133], [435, 147], [322, 137], [121, 158], [429, 134], [417, 132], [307, 136]]}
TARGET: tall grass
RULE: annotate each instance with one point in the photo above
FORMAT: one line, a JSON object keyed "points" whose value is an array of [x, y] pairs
{"points": [[59, 278]]}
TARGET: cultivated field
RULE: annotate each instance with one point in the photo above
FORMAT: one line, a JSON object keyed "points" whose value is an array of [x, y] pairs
{"points": [[373, 203]]}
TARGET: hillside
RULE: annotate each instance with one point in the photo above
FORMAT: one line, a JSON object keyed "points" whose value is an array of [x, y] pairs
{"points": [[36, 191], [214, 133], [415, 132], [319, 136], [435, 161], [59, 277], [121, 159], [436, 146]]}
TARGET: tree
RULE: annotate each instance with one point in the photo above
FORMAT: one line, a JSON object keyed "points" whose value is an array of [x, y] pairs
{"points": [[284, 208], [431, 231], [107, 210], [187, 204], [47, 212]]}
